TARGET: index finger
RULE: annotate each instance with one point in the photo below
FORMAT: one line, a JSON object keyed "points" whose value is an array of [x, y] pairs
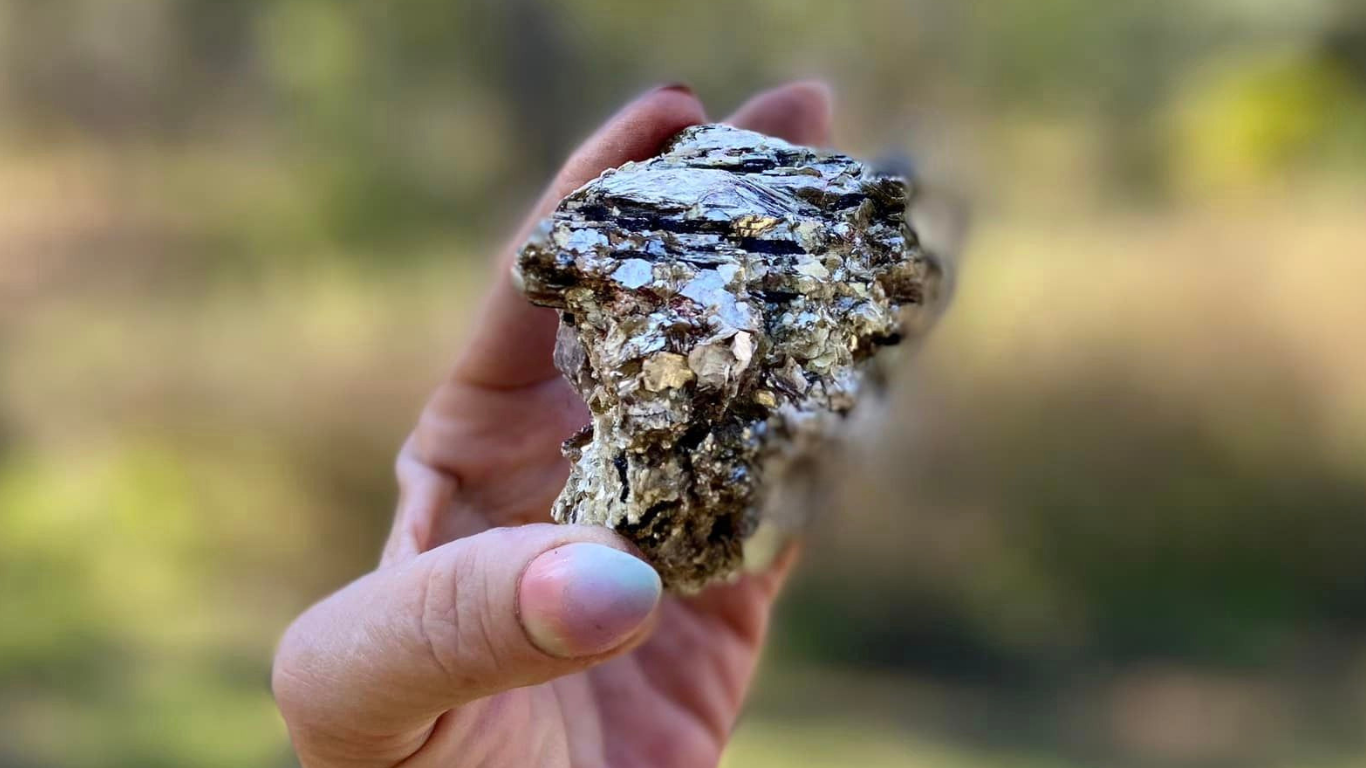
{"points": [[512, 344]]}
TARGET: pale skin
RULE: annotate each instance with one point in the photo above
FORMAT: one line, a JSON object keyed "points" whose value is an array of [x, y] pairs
{"points": [[428, 660]]}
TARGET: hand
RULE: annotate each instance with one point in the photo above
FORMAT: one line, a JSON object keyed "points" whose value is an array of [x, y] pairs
{"points": [[488, 636]]}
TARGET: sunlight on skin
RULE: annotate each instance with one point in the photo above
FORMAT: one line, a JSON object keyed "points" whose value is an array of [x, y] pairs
{"points": [[442, 652]]}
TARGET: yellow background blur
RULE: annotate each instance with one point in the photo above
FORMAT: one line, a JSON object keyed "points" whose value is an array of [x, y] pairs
{"points": [[1119, 518]]}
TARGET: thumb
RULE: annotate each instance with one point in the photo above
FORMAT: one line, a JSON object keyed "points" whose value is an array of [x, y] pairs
{"points": [[505, 608]]}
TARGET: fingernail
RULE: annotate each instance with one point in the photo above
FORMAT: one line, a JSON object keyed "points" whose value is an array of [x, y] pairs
{"points": [[584, 599], [680, 87]]}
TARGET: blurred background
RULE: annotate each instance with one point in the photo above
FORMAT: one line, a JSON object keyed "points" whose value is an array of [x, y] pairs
{"points": [[1118, 518]]}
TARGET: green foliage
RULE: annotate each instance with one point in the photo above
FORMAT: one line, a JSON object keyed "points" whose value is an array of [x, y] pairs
{"points": [[1254, 121]]}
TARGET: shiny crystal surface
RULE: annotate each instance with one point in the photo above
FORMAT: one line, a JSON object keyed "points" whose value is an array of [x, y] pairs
{"points": [[722, 307]]}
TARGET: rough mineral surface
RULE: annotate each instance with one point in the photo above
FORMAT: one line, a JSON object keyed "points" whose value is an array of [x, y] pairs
{"points": [[720, 308]]}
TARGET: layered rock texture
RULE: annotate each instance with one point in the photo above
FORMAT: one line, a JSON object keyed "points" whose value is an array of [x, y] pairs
{"points": [[721, 306]]}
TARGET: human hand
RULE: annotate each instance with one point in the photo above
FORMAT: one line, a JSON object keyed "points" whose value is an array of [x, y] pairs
{"points": [[488, 636]]}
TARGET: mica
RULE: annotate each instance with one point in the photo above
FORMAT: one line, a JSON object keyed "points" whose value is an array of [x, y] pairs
{"points": [[724, 309]]}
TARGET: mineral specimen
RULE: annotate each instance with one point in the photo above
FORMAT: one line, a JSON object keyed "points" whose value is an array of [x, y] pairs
{"points": [[721, 305]]}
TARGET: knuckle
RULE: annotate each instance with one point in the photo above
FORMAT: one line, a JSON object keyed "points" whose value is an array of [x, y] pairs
{"points": [[408, 464], [478, 630], [288, 681], [441, 623], [460, 622]]}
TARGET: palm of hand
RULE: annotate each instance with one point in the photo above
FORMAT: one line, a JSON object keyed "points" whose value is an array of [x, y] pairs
{"points": [[670, 702]]}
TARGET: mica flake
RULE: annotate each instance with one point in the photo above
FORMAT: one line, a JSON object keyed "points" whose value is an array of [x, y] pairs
{"points": [[722, 306]]}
